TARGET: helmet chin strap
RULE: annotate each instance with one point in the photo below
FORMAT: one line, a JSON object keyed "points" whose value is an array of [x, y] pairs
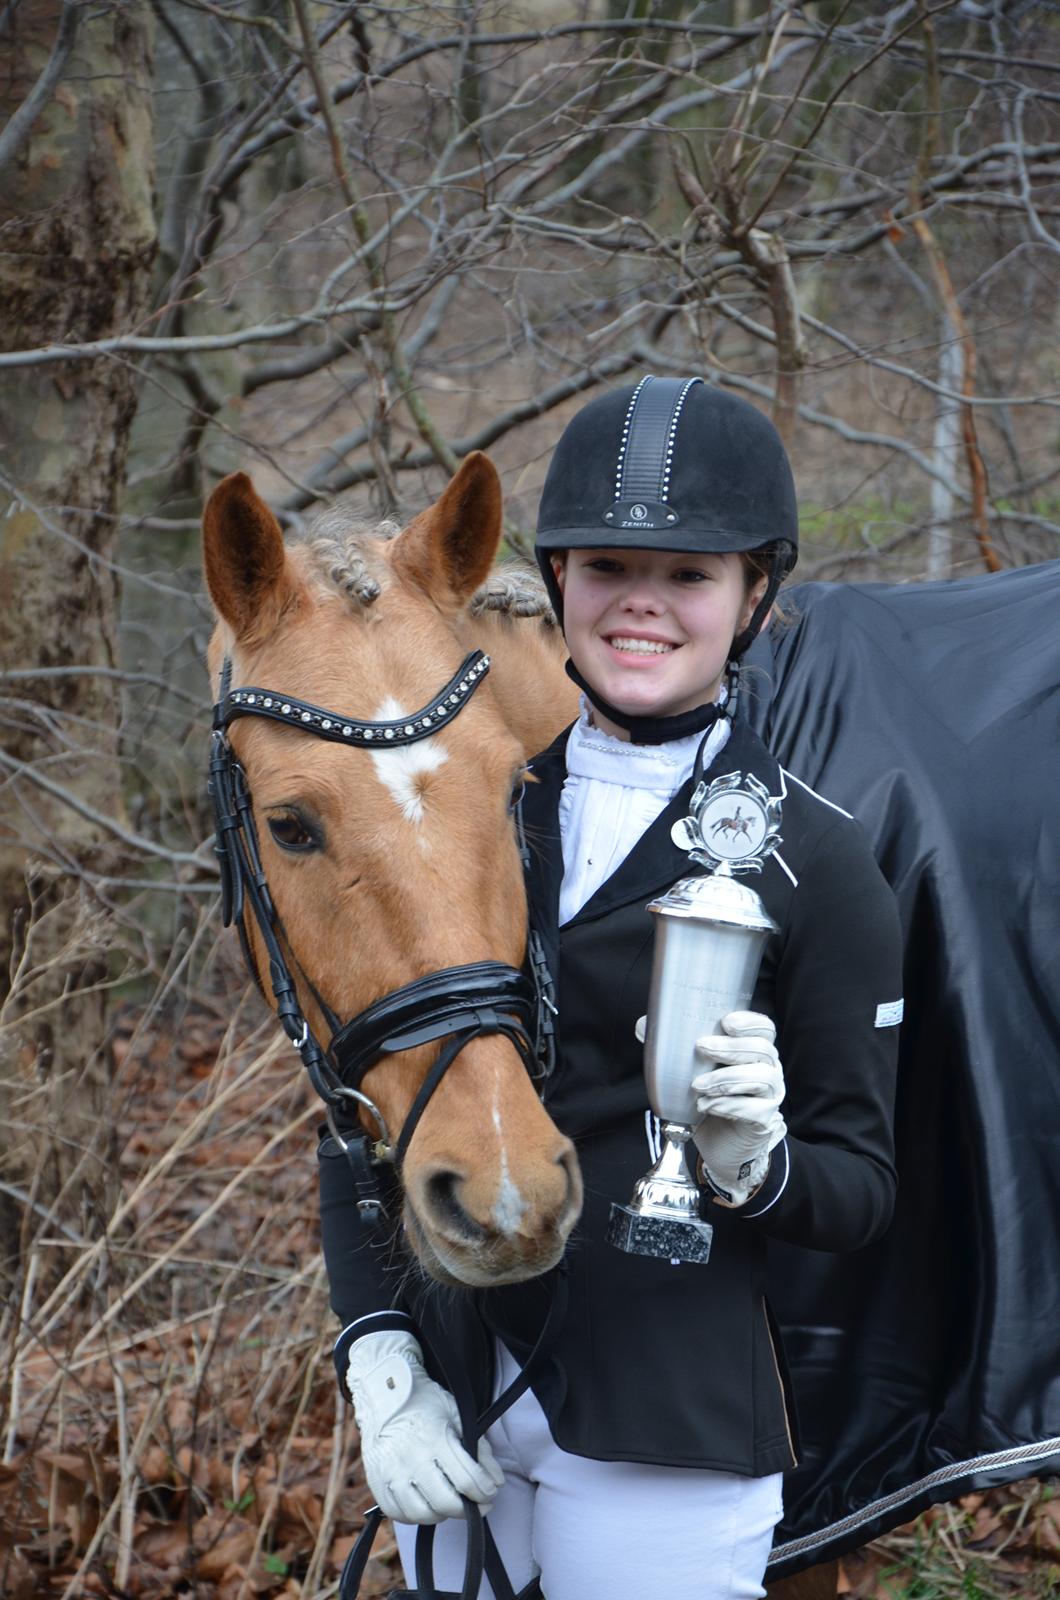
{"points": [[783, 561], [660, 730]]}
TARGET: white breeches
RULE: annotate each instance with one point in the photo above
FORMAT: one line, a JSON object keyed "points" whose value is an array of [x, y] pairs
{"points": [[607, 1530]]}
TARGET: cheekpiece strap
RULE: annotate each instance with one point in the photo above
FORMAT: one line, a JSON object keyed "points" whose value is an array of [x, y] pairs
{"points": [[225, 686], [251, 701]]}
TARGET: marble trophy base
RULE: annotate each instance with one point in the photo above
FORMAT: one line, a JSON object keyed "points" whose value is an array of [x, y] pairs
{"points": [[663, 1220]]}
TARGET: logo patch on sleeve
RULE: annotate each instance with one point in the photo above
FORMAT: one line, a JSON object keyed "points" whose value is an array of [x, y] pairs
{"points": [[889, 1013]]}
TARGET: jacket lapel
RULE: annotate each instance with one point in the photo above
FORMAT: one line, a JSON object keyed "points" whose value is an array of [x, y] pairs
{"points": [[655, 862]]}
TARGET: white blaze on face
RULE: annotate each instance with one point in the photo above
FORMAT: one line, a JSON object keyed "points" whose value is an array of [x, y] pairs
{"points": [[400, 769], [509, 1208]]}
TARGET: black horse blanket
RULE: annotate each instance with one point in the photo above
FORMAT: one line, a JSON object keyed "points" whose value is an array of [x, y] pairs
{"points": [[929, 1364]]}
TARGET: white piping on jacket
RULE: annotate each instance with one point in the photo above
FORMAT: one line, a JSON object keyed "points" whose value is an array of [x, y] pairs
{"points": [[784, 773]]}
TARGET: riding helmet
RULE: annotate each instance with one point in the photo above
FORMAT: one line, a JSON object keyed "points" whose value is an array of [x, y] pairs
{"points": [[670, 464]]}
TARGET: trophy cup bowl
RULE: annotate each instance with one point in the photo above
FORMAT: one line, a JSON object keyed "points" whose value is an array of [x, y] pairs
{"points": [[709, 940]]}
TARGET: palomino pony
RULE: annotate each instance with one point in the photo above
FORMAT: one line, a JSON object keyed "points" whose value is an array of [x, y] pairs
{"points": [[386, 865]]}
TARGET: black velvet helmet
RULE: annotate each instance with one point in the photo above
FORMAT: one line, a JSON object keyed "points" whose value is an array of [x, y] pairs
{"points": [[671, 464]]}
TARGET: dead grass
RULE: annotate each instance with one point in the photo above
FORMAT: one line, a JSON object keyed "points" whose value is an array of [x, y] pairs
{"points": [[989, 1546], [170, 1424]]}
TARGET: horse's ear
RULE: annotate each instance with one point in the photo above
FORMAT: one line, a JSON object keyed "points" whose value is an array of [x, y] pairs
{"points": [[448, 549], [246, 566]]}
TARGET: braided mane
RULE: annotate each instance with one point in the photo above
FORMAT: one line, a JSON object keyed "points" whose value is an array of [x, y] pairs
{"points": [[513, 590], [338, 548], [339, 551]]}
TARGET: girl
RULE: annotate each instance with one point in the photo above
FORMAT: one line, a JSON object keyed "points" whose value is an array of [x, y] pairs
{"points": [[645, 1461]]}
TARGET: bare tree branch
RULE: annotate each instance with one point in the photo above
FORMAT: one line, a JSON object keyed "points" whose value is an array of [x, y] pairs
{"points": [[33, 774], [17, 131]]}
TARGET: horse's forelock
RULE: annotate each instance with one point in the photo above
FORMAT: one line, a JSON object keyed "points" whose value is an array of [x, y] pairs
{"points": [[339, 554]]}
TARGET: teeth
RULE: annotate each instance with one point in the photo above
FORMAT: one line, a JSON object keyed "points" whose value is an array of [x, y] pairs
{"points": [[641, 647]]}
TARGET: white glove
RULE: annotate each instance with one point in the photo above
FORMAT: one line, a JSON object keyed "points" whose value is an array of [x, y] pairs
{"points": [[740, 1103], [414, 1463]]}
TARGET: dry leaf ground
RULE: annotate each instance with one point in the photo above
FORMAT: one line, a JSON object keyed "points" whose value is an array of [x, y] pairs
{"points": [[986, 1546], [168, 1410], [171, 1422]]}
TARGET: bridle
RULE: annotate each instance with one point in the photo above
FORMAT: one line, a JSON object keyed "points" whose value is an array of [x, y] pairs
{"points": [[455, 1005]]}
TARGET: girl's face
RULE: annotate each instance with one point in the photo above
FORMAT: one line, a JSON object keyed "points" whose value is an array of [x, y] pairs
{"points": [[651, 630]]}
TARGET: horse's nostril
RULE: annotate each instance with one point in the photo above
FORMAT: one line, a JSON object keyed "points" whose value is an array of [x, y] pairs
{"points": [[441, 1191], [572, 1199]]}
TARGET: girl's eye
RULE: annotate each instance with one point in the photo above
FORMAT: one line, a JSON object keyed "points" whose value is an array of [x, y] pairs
{"points": [[292, 832], [691, 575], [604, 564]]}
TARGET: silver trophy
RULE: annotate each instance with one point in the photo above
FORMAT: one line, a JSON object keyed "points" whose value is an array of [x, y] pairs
{"points": [[709, 940]]}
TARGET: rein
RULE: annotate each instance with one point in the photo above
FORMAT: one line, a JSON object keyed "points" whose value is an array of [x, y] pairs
{"points": [[482, 1554], [456, 1004]]}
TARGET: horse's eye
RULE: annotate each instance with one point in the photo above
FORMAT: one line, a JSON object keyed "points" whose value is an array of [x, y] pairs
{"points": [[516, 792], [292, 832]]}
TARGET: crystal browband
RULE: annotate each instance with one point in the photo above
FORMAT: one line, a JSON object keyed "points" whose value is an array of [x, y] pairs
{"points": [[255, 702]]}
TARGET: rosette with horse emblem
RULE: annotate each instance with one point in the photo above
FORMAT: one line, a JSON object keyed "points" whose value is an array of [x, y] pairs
{"points": [[709, 939]]}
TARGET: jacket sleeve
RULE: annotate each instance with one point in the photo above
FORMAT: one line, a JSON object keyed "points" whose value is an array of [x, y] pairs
{"points": [[364, 1262], [831, 1183]]}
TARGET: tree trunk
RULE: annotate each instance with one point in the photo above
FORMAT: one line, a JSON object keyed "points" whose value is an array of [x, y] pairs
{"points": [[78, 231]]}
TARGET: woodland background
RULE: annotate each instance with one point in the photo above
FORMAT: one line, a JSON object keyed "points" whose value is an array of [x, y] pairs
{"points": [[341, 244]]}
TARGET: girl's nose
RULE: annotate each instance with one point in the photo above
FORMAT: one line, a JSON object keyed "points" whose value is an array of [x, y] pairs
{"points": [[642, 595]]}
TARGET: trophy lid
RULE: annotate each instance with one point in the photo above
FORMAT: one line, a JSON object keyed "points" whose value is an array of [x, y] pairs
{"points": [[716, 898]]}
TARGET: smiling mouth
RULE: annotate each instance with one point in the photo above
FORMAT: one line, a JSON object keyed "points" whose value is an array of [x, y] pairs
{"points": [[641, 647]]}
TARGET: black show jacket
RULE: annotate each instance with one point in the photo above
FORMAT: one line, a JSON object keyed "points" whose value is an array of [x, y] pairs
{"points": [[655, 1362]]}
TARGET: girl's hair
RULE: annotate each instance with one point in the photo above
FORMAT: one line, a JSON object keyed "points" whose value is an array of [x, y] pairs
{"points": [[759, 564]]}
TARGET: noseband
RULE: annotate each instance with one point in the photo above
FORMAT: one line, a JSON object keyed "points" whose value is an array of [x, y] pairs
{"points": [[456, 1004]]}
